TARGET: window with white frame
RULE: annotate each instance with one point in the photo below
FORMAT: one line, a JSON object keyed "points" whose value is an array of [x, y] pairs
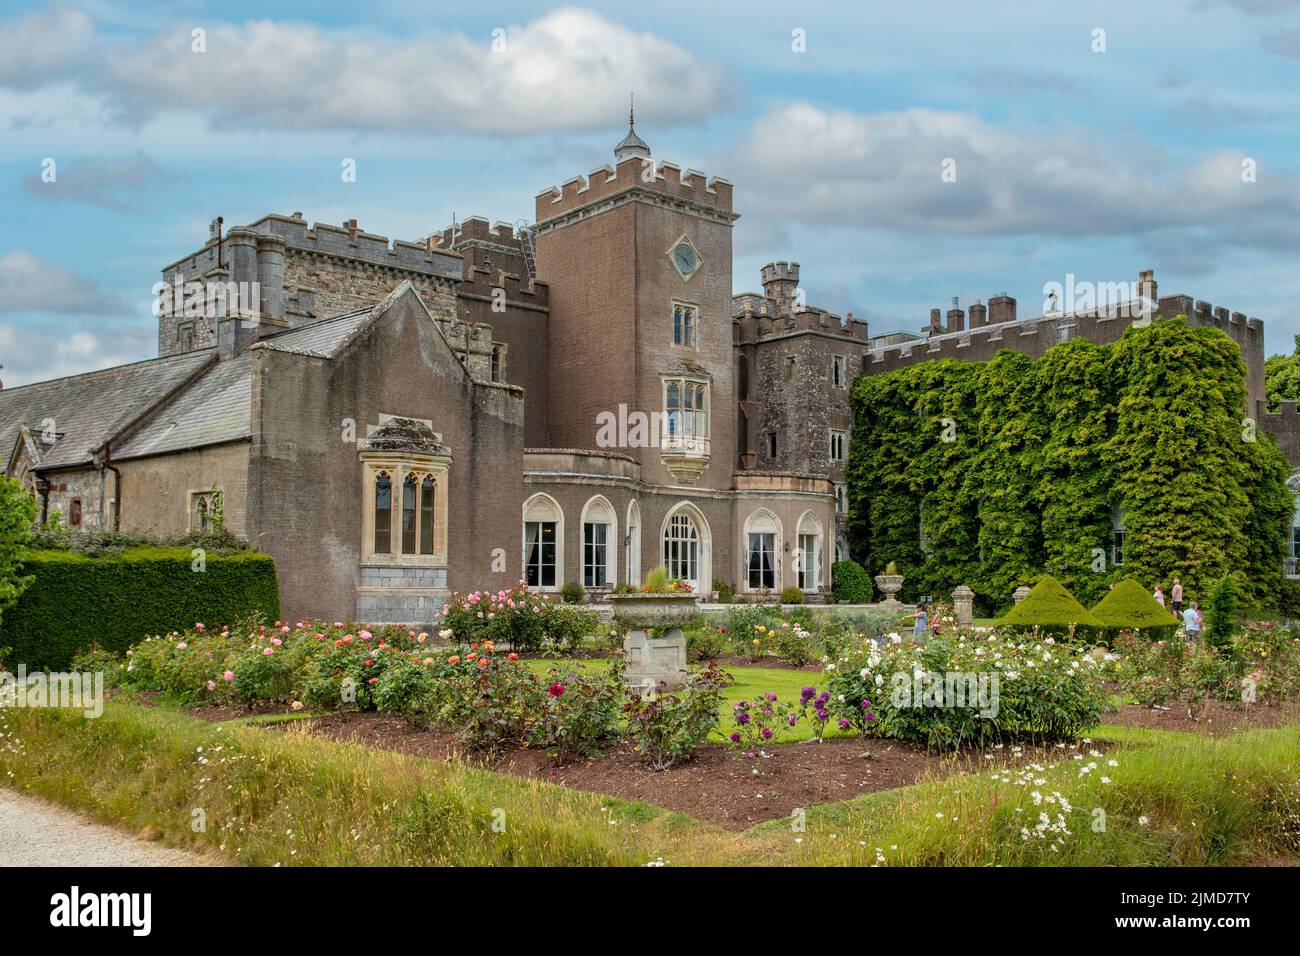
{"points": [[809, 552], [540, 538], [685, 325], [839, 445], [762, 560], [682, 549], [599, 533], [686, 406]]}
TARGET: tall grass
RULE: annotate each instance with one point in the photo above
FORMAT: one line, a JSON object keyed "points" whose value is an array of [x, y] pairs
{"points": [[286, 798]]}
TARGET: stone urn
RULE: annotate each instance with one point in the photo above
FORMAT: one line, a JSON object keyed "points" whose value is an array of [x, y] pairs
{"points": [[654, 664], [890, 584]]}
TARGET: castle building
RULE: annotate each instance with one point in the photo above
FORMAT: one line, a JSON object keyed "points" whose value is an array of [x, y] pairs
{"points": [[573, 400]]}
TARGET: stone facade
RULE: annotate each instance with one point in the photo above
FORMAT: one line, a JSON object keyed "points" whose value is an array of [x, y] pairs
{"points": [[499, 354]]}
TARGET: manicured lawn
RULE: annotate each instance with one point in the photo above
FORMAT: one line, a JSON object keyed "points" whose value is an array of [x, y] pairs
{"points": [[751, 682]]}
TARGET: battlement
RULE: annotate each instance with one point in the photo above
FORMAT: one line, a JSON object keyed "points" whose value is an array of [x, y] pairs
{"points": [[757, 317], [520, 291], [348, 241], [1201, 313], [479, 229], [780, 272], [635, 173]]}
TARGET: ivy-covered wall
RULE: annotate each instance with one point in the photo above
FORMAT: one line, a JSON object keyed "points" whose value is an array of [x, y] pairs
{"points": [[989, 474]]}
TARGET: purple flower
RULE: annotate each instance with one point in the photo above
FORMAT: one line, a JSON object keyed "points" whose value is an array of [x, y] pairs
{"points": [[870, 716], [770, 696], [767, 733], [866, 705], [735, 738], [742, 718], [792, 720], [807, 694], [822, 714], [844, 724], [821, 701]]}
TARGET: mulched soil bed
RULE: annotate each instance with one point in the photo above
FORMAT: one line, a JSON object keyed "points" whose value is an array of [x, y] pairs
{"points": [[716, 786], [1214, 719]]}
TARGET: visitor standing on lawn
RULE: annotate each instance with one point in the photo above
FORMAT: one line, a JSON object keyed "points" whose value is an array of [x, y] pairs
{"points": [[920, 625], [1192, 623], [1176, 595]]}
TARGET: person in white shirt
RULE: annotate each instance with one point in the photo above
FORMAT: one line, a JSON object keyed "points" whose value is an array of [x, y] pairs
{"points": [[1191, 623], [1159, 595]]}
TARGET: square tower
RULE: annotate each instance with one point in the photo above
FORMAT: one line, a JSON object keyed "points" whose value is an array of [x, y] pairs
{"points": [[638, 260]]}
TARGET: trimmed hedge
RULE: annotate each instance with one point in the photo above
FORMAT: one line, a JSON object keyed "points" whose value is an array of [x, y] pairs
{"points": [[116, 600], [850, 583], [1129, 605], [1051, 607]]}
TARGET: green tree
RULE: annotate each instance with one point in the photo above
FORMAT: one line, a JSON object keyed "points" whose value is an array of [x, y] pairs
{"points": [[1221, 621], [17, 512], [1282, 376]]}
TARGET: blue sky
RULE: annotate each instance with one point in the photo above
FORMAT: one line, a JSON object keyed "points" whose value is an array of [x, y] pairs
{"points": [[1068, 159]]}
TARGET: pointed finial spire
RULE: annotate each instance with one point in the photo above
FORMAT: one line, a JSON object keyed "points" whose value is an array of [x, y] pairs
{"points": [[632, 144]]}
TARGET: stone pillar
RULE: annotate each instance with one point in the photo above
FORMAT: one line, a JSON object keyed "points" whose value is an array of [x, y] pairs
{"points": [[270, 279], [963, 604], [1020, 594], [241, 253]]}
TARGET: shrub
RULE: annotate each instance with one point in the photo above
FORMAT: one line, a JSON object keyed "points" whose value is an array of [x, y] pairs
{"points": [[565, 626], [572, 593], [1289, 603], [668, 728], [17, 512], [1151, 672], [792, 595], [704, 639], [94, 659], [1128, 606], [116, 599], [580, 713], [1044, 691], [726, 593], [792, 643], [1050, 608], [850, 583], [1221, 619]]}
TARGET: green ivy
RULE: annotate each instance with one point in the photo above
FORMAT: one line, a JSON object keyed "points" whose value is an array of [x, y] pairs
{"points": [[1043, 451]]}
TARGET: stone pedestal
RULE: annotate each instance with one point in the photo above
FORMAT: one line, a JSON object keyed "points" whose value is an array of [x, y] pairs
{"points": [[1020, 594], [654, 664], [963, 605]]}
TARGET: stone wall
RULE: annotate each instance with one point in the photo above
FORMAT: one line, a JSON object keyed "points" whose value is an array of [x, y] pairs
{"points": [[156, 490], [305, 481]]}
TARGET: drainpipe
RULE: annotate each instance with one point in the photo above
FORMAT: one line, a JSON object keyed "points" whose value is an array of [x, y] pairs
{"points": [[117, 485]]}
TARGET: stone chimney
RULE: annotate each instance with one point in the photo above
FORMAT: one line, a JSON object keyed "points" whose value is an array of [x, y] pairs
{"points": [[780, 282], [1147, 291], [936, 323], [1002, 308], [979, 315], [956, 317]]}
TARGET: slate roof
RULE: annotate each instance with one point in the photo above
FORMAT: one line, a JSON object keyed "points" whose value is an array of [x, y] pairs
{"points": [[215, 408], [89, 409], [323, 339]]}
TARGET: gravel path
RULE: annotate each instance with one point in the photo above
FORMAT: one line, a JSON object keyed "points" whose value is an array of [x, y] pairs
{"points": [[36, 833]]}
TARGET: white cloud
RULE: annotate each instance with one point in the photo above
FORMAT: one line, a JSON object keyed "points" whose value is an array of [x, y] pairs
{"points": [[29, 283], [882, 170], [37, 353], [570, 69], [44, 46]]}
